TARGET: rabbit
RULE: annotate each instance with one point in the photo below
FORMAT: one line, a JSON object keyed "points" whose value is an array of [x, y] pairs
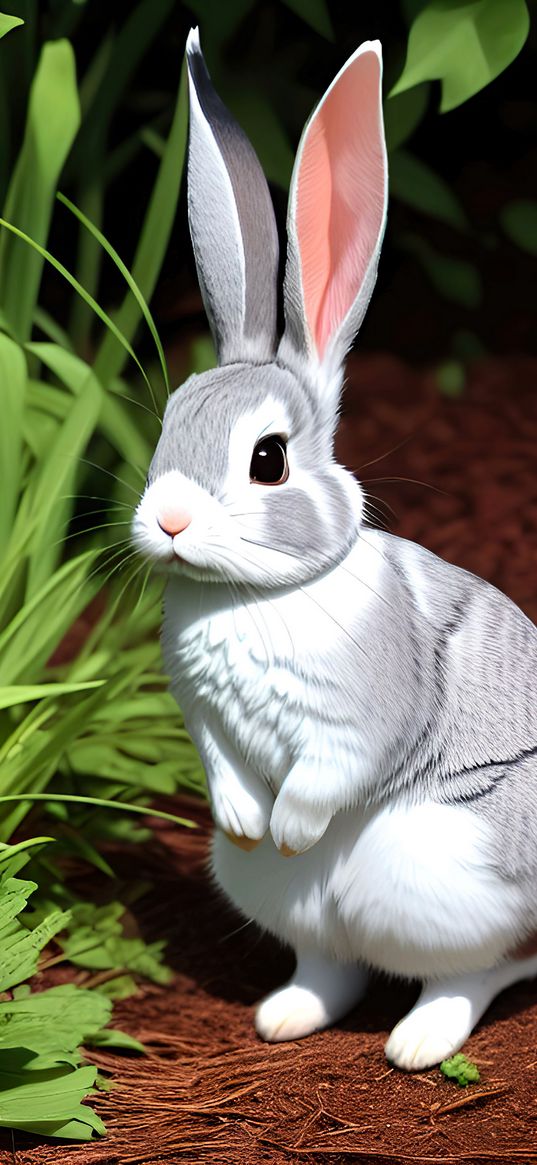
{"points": [[365, 712]]}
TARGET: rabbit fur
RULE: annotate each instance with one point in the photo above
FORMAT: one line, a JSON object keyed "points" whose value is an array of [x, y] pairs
{"points": [[365, 712]]}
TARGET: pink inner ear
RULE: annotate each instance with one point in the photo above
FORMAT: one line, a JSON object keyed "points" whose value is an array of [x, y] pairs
{"points": [[340, 197]]}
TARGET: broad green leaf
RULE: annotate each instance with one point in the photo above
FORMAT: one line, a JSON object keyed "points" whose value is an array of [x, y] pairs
{"points": [[153, 243], [112, 1038], [403, 113], [96, 941], [52, 122], [416, 184], [121, 988], [456, 279], [57, 1020], [519, 221], [464, 44], [13, 382], [20, 947], [8, 22], [52, 1107], [315, 13]]}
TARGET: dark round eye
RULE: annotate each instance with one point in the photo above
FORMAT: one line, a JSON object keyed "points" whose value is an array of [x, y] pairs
{"points": [[269, 462]]}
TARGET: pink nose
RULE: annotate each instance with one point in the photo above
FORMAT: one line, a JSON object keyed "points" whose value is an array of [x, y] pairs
{"points": [[173, 520]]}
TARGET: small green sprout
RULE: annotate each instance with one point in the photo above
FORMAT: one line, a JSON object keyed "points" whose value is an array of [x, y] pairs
{"points": [[460, 1069]]}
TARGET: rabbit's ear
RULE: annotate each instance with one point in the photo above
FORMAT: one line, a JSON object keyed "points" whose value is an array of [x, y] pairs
{"points": [[337, 214], [232, 224]]}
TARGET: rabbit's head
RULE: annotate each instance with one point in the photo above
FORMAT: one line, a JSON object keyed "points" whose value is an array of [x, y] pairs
{"points": [[243, 485]]}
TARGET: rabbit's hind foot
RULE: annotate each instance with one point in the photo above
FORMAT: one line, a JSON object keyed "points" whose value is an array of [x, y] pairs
{"points": [[447, 1011], [318, 994]]}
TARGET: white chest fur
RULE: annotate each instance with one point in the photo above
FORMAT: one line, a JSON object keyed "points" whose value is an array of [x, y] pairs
{"points": [[253, 663]]}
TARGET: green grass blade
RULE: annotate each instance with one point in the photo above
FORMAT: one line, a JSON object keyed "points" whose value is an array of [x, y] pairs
{"points": [[13, 382], [99, 311], [22, 694], [88, 261], [140, 300], [154, 237], [51, 126], [49, 509], [100, 803], [39, 625]]}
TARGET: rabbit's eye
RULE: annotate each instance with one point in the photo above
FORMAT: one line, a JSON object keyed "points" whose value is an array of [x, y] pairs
{"points": [[269, 462]]}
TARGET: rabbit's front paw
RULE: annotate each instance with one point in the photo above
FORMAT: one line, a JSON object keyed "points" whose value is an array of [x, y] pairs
{"points": [[242, 818], [295, 825]]}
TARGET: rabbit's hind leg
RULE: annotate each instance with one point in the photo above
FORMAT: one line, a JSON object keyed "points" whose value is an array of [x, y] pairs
{"points": [[447, 1011], [318, 994]]}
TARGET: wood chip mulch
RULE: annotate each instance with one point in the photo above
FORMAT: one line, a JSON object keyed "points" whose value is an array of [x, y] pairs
{"points": [[209, 1090]]}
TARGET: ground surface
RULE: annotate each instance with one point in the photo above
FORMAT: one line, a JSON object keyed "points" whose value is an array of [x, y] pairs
{"points": [[211, 1091]]}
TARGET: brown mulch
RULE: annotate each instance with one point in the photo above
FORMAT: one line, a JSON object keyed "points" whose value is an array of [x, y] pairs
{"points": [[210, 1091]]}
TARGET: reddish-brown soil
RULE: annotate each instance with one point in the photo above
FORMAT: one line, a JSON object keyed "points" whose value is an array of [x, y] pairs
{"points": [[210, 1091]]}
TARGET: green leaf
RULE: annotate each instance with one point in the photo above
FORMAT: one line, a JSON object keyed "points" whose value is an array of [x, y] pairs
{"points": [[96, 941], [100, 803], [403, 113], [112, 1038], [51, 1107], [519, 221], [20, 947], [22, 694], [464, 44], [315, 13], [52, 123], [8, 22], [416, 184], [139, 298], [13, 381], [153, 243], [54, 1021], [455, 279], [121, 988], [14, 857], [99, 311], [39, 625]]}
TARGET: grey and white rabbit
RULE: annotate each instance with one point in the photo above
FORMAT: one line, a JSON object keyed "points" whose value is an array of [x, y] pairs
{"points": [[366, 713]]}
